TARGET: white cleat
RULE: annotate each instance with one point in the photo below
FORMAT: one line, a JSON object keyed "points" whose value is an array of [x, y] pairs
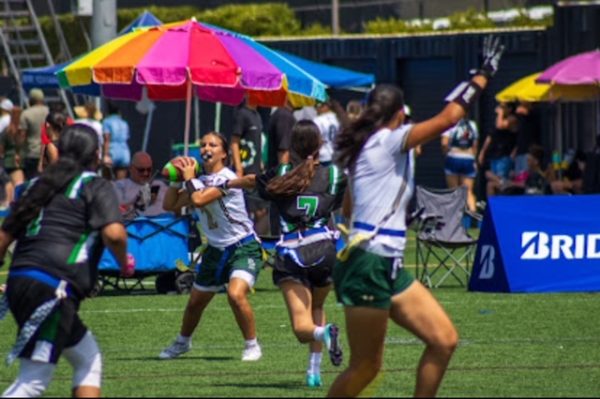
{"points": [[252, 353]]}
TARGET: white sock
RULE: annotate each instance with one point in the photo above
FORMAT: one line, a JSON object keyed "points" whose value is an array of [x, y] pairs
{"points": [[184, 340], [251, 342], [319, 333], [314, 363]]}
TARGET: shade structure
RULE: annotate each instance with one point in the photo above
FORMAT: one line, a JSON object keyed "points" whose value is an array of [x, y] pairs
{"points": [[335, 77], [174, 61], [144, 19], [220, 65], [526, 89], [580, 69]]}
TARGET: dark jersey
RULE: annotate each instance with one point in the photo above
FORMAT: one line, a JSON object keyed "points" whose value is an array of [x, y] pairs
{"points": [[279, 132], [248, 126], [311, 208], [64, 239]]}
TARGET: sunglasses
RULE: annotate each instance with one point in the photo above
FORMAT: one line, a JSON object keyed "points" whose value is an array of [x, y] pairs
{"points": [[144, 170]]}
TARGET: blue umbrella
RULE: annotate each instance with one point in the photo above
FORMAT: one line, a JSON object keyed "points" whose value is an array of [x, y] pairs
{"points": [[145, 19], [335, 77]]}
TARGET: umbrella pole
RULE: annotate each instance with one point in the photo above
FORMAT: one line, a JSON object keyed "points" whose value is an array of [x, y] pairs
{"points": [[218, 107], [188, 117], [147, 129], [197, 119]]}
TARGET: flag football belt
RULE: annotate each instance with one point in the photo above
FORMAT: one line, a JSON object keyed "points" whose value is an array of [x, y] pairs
{"points": [[291, 243], [41, 313], [385, 232], [228, 250]]}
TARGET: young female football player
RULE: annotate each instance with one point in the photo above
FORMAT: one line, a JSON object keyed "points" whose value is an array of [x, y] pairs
{"points": [[60, 224], [370, 279], [234, 255], [305, 194]]}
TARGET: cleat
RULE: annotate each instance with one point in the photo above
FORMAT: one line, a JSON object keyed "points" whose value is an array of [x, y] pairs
{"points": [[332, 341], [313, 380], [176, 349], [252, 353]]}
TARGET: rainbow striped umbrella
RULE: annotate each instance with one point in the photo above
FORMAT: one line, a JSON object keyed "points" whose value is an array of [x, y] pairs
{"points": [[181, 59]]}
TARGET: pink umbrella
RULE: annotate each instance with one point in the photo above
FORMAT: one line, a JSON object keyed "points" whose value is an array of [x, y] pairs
{"points": [[580, 69]]}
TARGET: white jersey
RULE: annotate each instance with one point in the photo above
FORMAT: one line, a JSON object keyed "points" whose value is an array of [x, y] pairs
{"points": [[381, 171], [224, 221], [329, 126]]}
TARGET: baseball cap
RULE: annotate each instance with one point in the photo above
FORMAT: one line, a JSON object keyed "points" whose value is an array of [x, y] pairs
{"points": [[36, 94], [6, 105]]}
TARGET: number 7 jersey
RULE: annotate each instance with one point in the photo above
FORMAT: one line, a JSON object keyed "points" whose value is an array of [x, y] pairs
{"points": [[313, 207]]}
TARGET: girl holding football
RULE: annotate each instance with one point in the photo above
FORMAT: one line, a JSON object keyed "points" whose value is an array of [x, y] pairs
{"points": [[234, 255]]}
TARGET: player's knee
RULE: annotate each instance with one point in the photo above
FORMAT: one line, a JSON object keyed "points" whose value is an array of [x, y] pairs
{"points": [[236, 297], [445, 341], [86, 360]]}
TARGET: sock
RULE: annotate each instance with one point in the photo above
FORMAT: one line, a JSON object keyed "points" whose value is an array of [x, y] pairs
{"points": [[183, 340], [319, 333], [314, 363], [251, 342]]}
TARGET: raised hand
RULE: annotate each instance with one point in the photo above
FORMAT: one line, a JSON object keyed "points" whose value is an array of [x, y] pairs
{"points": [[492, 53]]}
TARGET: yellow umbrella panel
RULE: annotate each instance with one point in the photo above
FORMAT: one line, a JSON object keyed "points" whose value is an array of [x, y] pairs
{"points": [[526, 89]]}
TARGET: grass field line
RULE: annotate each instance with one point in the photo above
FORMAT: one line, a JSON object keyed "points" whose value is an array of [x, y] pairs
{"points": [[203, 348], [255, 373]]}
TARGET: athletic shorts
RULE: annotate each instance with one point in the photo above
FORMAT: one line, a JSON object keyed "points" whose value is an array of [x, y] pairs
{"points": [[367, 279], [219, 266], [62, 328], [319, 275], [121, 157], [501, 167], [456, 166]]}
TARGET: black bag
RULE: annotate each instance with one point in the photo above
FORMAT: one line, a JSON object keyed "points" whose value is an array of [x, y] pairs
{"points": [[175, 281]]}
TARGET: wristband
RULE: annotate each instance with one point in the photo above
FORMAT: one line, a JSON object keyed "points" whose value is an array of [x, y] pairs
{"points": [[193, 185], [465, 94]]}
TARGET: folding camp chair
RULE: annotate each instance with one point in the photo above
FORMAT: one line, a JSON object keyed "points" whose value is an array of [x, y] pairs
{"points": [[444, 247]]}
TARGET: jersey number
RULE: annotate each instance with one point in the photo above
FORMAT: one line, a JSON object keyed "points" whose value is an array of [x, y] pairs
{"points": [[309, 204]]}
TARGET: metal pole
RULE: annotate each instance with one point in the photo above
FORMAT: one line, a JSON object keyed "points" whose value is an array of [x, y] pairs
{"points": [[188, 116], [104, 22], [218, 107], [335, 16]]}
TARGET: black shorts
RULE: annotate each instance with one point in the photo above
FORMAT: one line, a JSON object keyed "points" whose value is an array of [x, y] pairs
{"points": [[62, 328], [317, 276]]}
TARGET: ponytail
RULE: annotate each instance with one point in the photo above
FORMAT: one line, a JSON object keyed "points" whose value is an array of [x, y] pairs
{"points": [[383, 103], [306, 142]]}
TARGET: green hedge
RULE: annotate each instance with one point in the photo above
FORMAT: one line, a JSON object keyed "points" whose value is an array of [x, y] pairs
{"points": [[270, 19]]}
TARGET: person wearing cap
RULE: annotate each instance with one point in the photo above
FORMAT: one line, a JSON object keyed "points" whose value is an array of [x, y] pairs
{"points": [[30, 125], [6, 107]]}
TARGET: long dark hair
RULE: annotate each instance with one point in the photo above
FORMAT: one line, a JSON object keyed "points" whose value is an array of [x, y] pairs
{"points": [[306, 141], [382, 104], [78, 151]]}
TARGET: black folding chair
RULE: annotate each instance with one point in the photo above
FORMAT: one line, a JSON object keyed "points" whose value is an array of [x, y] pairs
{"points": [[444, 246]]}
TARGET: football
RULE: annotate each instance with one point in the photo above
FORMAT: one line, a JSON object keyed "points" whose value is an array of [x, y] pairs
{"points": [[172, 173]]}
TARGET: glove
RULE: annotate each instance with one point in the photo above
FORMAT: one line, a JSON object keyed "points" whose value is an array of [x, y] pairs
{"points": [[492, 52]]}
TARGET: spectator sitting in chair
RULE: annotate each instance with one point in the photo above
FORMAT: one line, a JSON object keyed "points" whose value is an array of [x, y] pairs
{"points": [[140, 194], [530, 182]]}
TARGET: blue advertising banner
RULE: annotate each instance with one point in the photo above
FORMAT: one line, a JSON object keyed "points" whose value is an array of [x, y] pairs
{"points": [[539, 244]]}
